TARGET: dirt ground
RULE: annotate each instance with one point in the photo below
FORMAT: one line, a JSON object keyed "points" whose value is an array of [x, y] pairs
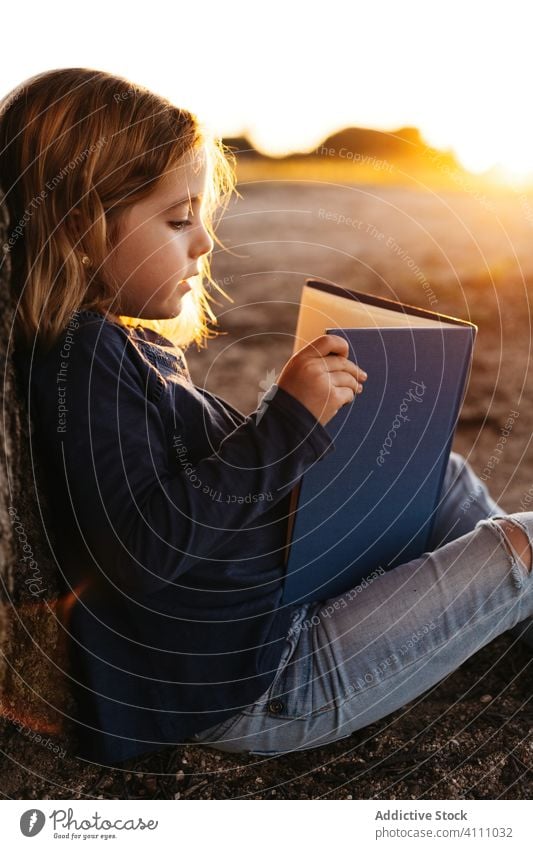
{"points": [[450, 251]]}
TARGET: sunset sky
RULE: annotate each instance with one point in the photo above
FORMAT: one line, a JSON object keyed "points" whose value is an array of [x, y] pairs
{"points": [[289, 73]]}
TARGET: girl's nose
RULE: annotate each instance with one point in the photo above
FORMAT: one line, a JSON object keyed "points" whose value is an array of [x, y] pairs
{"points": [[202, 243]]}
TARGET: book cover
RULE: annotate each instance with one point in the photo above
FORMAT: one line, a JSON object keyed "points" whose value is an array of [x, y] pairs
{"points": [[372, 502]]}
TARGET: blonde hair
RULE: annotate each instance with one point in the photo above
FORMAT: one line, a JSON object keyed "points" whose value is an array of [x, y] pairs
{"points": [[77, 138]]}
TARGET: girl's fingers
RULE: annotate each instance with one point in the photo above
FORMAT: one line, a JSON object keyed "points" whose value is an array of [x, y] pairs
{"points": [[336, 363], [348, 397], [341, 378]]}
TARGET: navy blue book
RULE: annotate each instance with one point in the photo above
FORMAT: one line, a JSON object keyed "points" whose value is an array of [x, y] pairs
{"points": [[372, 501]]}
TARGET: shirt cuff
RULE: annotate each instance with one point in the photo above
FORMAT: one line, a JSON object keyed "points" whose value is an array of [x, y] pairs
{"points": [[306, 424]]}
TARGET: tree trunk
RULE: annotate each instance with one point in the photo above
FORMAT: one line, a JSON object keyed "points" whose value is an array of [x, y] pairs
{"points": [[34, 690]]}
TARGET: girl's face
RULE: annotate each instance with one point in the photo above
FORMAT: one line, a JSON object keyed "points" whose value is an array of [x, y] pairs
{"points": [[161, 239]]}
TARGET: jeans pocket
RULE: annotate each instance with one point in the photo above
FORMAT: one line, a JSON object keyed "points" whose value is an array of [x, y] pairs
{"points": [[261, 705], [291, 693], [290, 690]]}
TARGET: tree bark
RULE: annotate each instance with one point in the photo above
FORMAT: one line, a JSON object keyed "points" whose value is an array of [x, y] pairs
{"points": [[34, 684]]}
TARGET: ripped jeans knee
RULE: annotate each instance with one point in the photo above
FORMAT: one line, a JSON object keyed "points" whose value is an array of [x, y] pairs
{"points": [[520, 570]]}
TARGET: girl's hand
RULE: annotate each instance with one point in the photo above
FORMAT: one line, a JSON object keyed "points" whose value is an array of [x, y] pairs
{"points": [[322, 377]]}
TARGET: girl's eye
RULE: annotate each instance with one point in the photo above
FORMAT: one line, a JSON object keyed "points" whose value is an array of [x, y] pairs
{"points": [[179, 225]]}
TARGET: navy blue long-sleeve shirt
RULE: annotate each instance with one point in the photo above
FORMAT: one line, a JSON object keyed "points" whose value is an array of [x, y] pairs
{"points": [[170, 510]]}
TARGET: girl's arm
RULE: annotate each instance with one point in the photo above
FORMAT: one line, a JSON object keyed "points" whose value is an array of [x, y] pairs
{"points": [[138, 497]]}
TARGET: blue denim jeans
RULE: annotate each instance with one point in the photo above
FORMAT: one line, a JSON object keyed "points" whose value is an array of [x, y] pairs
{"points": [[353, 659]]}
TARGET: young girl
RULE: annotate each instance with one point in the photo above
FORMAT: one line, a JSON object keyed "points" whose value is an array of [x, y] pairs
{"points": [[170, 505]]}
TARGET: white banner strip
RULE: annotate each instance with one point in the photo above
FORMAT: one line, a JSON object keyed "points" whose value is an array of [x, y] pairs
{"points": [[218, 823]]}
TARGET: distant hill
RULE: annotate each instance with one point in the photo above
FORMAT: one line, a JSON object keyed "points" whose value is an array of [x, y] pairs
{"points": [[242, 147], [357, 143]]}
